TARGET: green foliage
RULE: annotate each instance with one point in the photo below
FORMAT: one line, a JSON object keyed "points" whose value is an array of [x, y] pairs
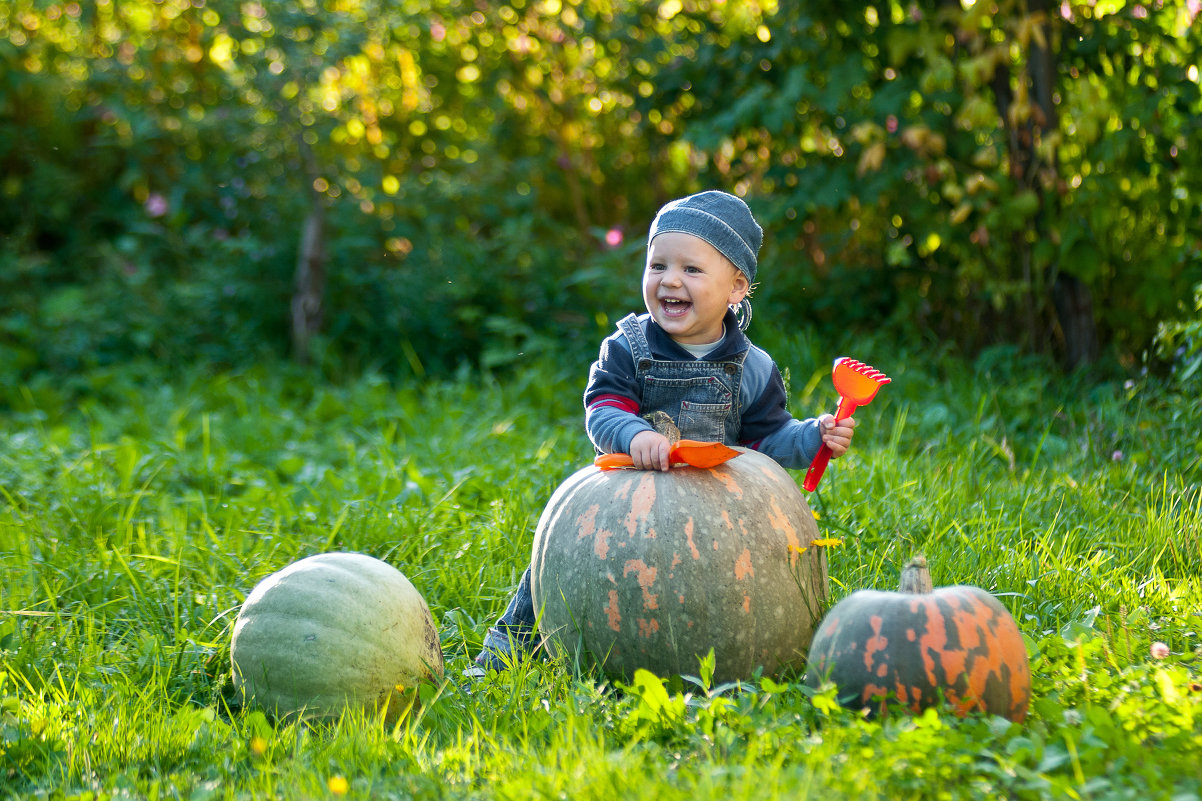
{"points": [[903, 150], [159, 159], [137, 510], [1179, 342]]}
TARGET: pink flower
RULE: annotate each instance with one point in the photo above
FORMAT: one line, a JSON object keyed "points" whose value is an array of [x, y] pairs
{"points": [[1117, 456], [1159, 650], [155, 205], [613, 237]]}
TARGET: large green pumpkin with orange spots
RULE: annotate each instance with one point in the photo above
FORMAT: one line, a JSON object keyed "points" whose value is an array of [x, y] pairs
{"points": [[920, 647], [648, 569]]}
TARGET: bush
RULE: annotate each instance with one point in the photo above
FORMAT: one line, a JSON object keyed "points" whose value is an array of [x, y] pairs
{"points": [[477, 169]]}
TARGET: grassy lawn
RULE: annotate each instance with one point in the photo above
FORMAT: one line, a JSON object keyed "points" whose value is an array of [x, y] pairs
{"points": [[138, 508]]}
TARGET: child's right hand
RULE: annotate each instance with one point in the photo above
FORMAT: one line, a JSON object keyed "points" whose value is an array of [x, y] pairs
{"points": [[649, 451], [836, 435]]}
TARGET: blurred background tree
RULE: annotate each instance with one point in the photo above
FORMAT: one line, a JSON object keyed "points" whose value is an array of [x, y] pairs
{"points": [[418, 185]]}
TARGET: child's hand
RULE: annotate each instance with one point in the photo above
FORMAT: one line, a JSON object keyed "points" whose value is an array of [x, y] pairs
{"points": [[649, 451], [836, 436]]}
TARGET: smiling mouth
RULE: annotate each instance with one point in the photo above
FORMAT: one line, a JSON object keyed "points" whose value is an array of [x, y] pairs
{"points": [[674, 308]]}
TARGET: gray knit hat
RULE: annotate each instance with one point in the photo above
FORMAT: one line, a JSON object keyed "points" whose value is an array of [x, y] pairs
{"points": [[721, 219]]}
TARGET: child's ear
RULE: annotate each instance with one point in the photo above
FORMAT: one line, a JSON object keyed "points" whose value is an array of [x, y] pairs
{"points": [[739, 289]]}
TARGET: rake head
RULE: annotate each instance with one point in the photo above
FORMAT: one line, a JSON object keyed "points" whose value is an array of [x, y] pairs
{"points": [[857, 382]]}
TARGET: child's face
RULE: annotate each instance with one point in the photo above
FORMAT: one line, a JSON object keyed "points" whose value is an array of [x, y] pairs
{"points": [[688, 286]]}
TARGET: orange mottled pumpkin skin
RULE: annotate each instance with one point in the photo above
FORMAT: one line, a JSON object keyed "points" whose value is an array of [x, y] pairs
{"points": [[649, 569], [957, 644]]}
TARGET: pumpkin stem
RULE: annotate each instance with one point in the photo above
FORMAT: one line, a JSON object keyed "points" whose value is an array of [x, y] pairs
{"points": [[916, 577]]}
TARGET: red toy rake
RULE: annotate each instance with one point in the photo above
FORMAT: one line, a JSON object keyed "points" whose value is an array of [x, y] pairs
{"points": [[857, 384]]}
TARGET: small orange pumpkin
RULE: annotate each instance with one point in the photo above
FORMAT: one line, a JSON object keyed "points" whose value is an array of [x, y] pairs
{"points": [[919, 646]]}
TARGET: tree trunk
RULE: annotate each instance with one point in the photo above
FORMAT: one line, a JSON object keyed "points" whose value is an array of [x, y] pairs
{"points": [[1058, 308], [1072, 300], [1078, 328], [308, 298]]}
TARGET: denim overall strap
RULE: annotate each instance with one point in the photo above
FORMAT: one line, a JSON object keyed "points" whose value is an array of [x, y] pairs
{"points": [[701, 396], [639, 346]]}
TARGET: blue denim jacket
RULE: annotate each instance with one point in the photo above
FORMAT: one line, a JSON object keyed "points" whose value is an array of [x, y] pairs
{"points": [[734, 394]]}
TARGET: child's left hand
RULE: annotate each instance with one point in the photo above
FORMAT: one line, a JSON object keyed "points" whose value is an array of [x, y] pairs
{"points": [[836, 436]]}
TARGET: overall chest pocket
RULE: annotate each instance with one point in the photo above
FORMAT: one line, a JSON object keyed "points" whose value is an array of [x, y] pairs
{"points": [[700, 405]]}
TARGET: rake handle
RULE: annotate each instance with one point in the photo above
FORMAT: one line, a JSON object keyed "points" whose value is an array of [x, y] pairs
{"points": [[818, 466]]}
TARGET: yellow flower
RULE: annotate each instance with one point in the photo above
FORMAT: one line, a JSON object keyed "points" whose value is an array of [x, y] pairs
{"points": [[798, 548], [814, 512], [338, 785], [827, 542], [258, 746]]}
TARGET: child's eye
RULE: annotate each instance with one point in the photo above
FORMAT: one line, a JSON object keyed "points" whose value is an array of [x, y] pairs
{"points": [[691, 269], [655, 267]]}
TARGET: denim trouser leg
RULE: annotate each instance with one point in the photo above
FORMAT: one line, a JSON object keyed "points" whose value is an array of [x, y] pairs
{"points": [[510, 638]]}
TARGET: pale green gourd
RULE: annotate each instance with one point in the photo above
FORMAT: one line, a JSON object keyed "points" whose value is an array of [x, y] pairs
{"points": [[334, 631]]}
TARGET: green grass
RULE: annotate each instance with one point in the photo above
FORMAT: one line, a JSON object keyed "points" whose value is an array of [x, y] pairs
{"points": [[138, 508]]}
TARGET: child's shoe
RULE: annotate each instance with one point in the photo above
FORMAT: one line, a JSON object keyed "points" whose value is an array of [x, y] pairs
{"points": [[502, 650], [512, 639]]}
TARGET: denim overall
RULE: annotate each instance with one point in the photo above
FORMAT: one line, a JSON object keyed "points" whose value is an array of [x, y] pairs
{"points": [[702, 397]]}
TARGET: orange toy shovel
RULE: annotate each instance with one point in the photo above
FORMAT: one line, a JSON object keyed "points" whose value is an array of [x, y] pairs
{"points": [[857, 384], [686, 451]]}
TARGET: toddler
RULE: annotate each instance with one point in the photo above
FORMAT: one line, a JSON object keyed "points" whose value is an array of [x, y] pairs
{"points": [[689, 358]]}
